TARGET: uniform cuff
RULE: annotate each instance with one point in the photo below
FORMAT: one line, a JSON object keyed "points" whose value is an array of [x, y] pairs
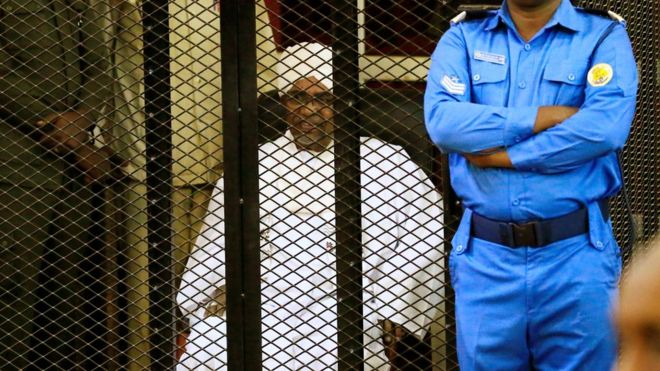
{"points": [[524, 157], [519, 124]]}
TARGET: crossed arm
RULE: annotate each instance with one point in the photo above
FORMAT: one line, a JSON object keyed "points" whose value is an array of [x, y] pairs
{"points": [[546, 118], [547, 139]]}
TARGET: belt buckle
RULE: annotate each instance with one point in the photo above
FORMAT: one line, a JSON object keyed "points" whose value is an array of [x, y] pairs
{"points": [[525, 234]]}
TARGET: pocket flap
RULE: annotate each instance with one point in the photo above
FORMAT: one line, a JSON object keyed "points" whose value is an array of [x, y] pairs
{"points": [[567, 73], [484, 73]]}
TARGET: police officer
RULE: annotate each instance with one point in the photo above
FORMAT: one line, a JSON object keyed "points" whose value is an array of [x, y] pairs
{"points": [[52, 89], [532, 102]]}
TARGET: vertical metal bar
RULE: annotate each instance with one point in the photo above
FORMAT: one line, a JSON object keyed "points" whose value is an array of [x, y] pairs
{"points": [[159, 176], [238, 34], [347, 178], [247, 39], [232, 177]]}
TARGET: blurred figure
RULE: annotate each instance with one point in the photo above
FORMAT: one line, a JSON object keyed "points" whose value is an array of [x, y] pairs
{"points": [[638, 318], [402, 240], [124, 131], [53, 88], [196, 118]]}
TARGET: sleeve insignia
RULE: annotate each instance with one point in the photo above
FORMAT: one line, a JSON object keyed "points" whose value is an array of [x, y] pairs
{"points": [[600, 75]]}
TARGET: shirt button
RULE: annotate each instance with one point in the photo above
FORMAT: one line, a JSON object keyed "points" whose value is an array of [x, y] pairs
{"points": [[476, 77], [522, 85], [459, 248], [528, 47], [516, 139], [599, 244], [571, 77], [516, 202]]}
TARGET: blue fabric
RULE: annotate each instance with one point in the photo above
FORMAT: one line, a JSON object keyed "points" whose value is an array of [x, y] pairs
{"points": [[561, 169], [533, 308]]}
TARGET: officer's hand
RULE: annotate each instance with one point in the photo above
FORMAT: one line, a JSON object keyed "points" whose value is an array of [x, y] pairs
{"points": [[498, 159], [392, 335], [550, 116], [64, 132], [97, 163]]}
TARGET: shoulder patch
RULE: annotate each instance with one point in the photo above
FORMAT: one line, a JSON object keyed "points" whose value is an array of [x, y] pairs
{"points": [[600, 75], [605, 13], [472, 12]]}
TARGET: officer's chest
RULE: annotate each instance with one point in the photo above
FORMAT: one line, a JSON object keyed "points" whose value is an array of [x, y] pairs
{"points": [[549, 70]]}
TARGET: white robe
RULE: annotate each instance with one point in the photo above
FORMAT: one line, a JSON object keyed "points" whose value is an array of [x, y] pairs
{"points": [[402, 258]]}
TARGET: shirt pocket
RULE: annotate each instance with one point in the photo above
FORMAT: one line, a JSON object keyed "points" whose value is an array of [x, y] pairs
{"points": [[490, 84], [564, 83]]}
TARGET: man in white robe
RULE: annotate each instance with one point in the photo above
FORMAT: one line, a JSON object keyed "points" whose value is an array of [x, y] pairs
{"points": [[402, 239]]}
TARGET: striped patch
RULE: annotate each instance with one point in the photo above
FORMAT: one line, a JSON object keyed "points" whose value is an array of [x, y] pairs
{"points": [[453, 85]]}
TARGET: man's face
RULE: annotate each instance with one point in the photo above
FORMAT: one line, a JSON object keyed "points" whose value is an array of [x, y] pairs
{"points": [[310, 114], [638, 319]]}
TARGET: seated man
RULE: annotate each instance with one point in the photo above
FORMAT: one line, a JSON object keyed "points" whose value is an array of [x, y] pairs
{"points": [[402, 239]]}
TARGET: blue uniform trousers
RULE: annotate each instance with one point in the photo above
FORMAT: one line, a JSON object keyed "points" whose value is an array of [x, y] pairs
{"points": [[537, 309]]}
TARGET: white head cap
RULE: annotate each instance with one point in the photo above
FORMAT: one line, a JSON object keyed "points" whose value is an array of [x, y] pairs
{"points": [[304, 60]]}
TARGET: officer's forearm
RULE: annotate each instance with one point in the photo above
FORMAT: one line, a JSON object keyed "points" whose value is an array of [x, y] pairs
{"points": [[465, 127], [549, 116], [498, 159]]}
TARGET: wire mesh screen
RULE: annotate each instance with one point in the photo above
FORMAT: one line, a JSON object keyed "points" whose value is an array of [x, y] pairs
{"points": [[113, 209], [639, 164], [400, 241]]}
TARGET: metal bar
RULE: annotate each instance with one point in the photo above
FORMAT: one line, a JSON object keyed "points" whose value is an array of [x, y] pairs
{"points": [[347, 180], [247, 74], [159, 176], [239, 87], [452, 216], [232, 176]]}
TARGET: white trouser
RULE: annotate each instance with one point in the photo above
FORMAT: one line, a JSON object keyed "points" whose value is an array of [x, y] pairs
{"points": [[304, 341]]}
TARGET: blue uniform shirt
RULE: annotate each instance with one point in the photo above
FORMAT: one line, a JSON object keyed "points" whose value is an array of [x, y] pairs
{"points": [[484, 89]]}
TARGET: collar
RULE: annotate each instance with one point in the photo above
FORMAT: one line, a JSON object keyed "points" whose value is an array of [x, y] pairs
{"points": [[565, 16]]}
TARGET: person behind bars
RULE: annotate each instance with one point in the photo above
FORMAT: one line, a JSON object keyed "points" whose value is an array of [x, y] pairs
{"points": [[402, 239], [532, 103], [53, 87]]}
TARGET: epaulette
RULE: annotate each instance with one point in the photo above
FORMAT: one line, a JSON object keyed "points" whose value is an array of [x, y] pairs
{"points": [[605, 13], [473, 11]]}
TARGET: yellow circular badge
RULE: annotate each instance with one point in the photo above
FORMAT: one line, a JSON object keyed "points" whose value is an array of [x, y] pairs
{"points": [[600, 74]]}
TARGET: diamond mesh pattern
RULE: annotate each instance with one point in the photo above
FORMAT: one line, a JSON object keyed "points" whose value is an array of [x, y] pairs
{"points": [[77, 263]]}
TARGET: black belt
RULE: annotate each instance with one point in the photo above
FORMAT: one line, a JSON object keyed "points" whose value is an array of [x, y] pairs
{"points": [[536, 233]]}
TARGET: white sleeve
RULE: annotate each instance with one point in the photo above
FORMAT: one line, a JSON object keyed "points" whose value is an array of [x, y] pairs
{"points": [[409, 289], [205, 270]]}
